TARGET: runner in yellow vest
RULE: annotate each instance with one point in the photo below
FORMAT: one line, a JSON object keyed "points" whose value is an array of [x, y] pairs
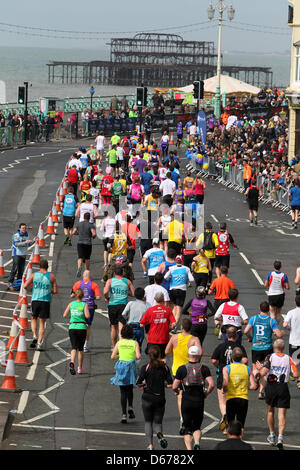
{"points": [[179, 345]]}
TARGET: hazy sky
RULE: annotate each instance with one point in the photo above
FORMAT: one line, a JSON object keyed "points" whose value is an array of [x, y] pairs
{"points": [[134, 15]]}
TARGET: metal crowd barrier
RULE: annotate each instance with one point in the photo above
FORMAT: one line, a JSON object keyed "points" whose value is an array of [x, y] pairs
{"points": [[273, 193]]}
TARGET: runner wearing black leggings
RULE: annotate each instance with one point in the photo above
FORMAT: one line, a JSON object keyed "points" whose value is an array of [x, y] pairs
{"points": [[153, 379]]}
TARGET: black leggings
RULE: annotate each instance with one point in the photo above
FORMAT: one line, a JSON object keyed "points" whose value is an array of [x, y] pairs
{"points": [[199, 331], [192, 414], [126, 396], [153, 410]]}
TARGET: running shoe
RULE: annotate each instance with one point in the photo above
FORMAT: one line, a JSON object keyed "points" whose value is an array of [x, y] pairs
{"points": [[223, 423], [70, 243], [271, 439], [39, 347], [72, 368], [292, 378], [162, 440], [78, 274], [145, 274], [131, 414], [34, 343], [279, 444], [124, 419], [251, 224], [261, 396], [79, 370], [196, 446], [66, 240]]}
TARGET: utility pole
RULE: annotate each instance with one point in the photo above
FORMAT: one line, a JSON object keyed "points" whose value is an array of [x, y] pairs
{"points": [[25, 112]]}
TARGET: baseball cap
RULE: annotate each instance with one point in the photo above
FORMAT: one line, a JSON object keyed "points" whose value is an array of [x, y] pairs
{"points": [[194, 351], [179, 259], [119, 259], [155, 241]]}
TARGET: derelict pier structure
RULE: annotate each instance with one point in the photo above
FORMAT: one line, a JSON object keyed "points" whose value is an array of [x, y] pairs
{"points": [[164, 60]]}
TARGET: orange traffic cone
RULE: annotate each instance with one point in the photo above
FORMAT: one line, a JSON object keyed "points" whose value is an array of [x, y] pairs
{"points": [[22, 356], [61, 193], [36, 254], [57, 203], [23, 317], [41, 238], [2, 272], [9, 382], [54, 213], [172, 139], [29, 271], [23, 293], [65, 187], [13, 338], [50, 228]]}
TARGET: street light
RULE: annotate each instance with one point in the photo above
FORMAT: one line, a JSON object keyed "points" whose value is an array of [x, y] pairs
{"points": [[220, 7], [92, 91]]}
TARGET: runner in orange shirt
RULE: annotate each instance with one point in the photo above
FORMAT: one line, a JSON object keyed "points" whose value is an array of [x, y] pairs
{"points": [[221, 286]]}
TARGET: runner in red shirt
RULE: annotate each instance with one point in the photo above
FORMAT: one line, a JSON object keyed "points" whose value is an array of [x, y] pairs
{"points": [[161, 321], [105, 187]]}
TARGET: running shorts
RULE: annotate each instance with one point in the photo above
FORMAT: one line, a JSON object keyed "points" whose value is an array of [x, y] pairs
{"points": [[237, 408], [276, 300], [177, 297], [130, 255], [253, 206], [162, 348], [222, 260], [77, 338], [278, 395], [115, 314], [84, 251], [295, 208], [260, 356], [106, 241], [89, 321], [40, 309], [68, 221]]}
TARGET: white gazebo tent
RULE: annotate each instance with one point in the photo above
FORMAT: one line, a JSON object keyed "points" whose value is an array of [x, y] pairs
{"points": [[229, 85]]}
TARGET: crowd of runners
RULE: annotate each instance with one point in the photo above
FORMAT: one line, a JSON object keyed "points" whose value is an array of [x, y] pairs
{"points": [[136, 194]]}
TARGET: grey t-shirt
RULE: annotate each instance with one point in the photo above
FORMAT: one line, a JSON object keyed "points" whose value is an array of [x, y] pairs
{"points": [[135, 310], [85, 232]]}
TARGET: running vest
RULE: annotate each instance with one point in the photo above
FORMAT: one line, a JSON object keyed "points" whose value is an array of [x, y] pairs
{"points": [[280, 367], [230, 315], [179, 193], [84, 208], [262, 333], [77, 320], [136, 191], [119, 245], [152, 203], [276, 283], [42, 287], [69, 208], [89, 295], [201, 265], [126, 350], [238, 380], [199, 311], [223, 248], [118, 291], [84, 160], [179, 277], [166, 282], [156, 256], [180, 353], [72, 176]]}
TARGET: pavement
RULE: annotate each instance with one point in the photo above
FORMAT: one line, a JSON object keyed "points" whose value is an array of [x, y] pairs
{"points": [[57, 411]]}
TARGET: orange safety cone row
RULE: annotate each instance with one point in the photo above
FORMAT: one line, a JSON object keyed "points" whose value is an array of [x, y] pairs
{"points": [[41, 238], [36, 254], [65, 187], [54, 213], [29, 270], [172, 139], [2, 272], [9, 382], [50, 228], [13, 338], [22, 356], [23, 317]]}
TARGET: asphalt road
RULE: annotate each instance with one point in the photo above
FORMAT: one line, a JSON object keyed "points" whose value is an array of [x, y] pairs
{"points": [[59, 411]]}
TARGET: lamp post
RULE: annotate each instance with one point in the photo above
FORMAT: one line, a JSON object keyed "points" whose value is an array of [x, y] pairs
{"points": [[220, 7], [92, 91]]}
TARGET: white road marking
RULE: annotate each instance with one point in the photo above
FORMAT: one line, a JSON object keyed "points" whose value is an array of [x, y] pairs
{"points": [[245, 258], [31, 372], [128, 433], [257, 276], [214, 217], [23, 402]]}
